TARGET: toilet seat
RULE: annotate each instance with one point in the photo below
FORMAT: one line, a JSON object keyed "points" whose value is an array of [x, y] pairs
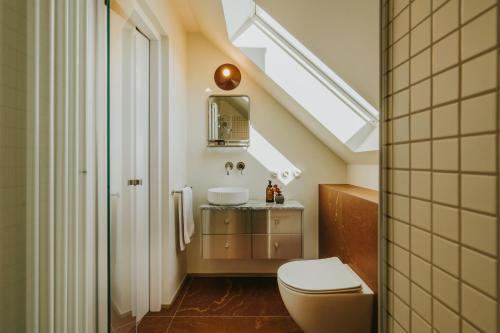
{"points": [[320, 276]]}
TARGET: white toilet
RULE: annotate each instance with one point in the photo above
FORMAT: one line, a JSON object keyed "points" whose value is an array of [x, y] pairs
{"points": [[326, 296]]}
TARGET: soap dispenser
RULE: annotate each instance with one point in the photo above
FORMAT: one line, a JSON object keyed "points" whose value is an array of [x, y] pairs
{"points": [[269, 193]]}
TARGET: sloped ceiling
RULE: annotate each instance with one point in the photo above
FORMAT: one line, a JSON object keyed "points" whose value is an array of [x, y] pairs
{"points": [[206, 16]]}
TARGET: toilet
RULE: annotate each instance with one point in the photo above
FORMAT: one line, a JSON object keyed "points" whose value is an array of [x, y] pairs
{"points": [[326, 296]]}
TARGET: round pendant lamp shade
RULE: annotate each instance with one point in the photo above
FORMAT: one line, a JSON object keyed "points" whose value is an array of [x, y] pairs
{"points": [[227, 76]]}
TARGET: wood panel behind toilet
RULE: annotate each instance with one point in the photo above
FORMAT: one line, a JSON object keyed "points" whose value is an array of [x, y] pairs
{"points": [[348, 228]]}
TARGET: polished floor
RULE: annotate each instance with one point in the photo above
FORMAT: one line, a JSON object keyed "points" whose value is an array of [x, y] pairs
{"points": [[222, 305]]}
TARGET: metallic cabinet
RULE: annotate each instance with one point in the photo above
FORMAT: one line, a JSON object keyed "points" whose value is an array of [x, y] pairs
{"points": [[229, 233]]}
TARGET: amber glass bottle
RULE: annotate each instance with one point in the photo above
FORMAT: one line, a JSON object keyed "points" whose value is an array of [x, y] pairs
{"points": [[269, 193]]}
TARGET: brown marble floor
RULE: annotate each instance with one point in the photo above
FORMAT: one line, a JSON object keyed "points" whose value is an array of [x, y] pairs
{"points": [[223, 305]]}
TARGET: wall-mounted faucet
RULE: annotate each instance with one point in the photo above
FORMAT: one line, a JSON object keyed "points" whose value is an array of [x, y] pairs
{"points": [[240, 166], [229, 166]]}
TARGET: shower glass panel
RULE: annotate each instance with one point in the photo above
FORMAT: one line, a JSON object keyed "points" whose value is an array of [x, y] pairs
{"points": [[45, 262]]}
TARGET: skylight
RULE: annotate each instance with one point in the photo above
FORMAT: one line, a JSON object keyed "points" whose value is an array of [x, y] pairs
{"points": [[295, 69]]}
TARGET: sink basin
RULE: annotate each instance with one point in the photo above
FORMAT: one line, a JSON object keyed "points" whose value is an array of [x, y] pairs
{"points": [[227, 196]]}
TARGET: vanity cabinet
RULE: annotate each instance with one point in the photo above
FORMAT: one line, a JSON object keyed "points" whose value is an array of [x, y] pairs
{"points": [[255, 230]]}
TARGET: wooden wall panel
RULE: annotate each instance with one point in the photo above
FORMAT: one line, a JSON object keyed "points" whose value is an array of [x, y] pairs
{"points": [[348, 228]]}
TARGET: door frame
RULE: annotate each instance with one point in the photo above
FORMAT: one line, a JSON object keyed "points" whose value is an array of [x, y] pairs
{"points": [[141, 16]]}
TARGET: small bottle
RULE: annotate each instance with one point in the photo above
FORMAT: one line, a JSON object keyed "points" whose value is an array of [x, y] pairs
{"points": [[269, 193]]}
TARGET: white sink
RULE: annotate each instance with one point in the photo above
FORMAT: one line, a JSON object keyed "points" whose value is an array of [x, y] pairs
{"points": [[227, 196]]}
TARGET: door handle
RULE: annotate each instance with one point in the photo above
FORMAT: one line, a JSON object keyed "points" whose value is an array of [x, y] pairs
{"points": [[134, 182]]}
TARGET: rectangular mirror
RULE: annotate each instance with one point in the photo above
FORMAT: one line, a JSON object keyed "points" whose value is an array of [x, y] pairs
{"points": [[228, 121]]}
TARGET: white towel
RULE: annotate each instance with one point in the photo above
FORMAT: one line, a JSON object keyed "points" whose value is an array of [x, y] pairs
{"points": [[187, 214], [181, 225]]}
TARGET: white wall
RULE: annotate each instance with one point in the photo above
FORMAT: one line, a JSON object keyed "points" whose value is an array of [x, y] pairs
{"points": [[343, 34], [364, 175], [206, 165]]}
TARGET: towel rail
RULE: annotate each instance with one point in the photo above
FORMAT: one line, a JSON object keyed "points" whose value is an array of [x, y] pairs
{"points": [[178, 191]]}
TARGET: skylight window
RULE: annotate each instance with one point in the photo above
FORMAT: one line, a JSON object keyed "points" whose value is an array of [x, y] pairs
{"points": [[302, 75]]}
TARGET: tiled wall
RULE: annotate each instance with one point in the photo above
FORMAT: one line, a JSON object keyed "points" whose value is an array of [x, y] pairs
{"points": [[440, 159], [13, 162]]}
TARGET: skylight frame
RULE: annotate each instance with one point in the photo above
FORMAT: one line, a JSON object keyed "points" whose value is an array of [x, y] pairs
{"points": [[313, 65]]}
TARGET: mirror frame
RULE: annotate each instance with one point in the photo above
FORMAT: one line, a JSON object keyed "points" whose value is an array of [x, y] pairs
{"points": [[229, 143]]}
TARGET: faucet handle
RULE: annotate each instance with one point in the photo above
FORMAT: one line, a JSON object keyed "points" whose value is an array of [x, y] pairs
{"points": [[240, 166], [229, 166]]}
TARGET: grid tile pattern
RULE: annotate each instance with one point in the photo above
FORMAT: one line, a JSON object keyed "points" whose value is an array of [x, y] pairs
{"points": [[440, 156]]}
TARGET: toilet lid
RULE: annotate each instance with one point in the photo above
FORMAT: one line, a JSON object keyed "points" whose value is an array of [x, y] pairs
{"points": [[319, 276]]}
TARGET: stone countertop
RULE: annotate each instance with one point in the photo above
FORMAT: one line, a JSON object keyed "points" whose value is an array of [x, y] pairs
{"points": [[258, 205]]}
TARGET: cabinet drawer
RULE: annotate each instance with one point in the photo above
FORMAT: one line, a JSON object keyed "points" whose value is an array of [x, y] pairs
{"points": [[228, 221], [277, 222], [277, 246], [227, 246]]}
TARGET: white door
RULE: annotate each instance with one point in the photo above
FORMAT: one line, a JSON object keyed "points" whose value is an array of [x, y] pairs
{"points": [[141, 160]]}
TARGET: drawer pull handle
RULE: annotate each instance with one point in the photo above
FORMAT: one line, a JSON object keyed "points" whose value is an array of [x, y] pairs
{"points": [[276, 245], [276, 221], [226, 245]]}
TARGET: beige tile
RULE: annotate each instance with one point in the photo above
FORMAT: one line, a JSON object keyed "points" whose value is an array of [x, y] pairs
{"points": [[421, 155], [401, 129], [402, 313], [421, 274], [480, 34], [421, 95], [445, 154], [401, 209], [421, 213], [401, 156], [445, 53], [421, 243], [399, 5], [401, 24], [420, 9], [446, 288], [418, 324], [479, 74], [421, 302], [401, 260], [421, 125], [401, 182], [479, 153], [402, 287], [479, 193], [420, 66], [421, 184], [437, 3], [445, 188], [445, 86], [479, 231], [445, 19], [479, 309], [467, 328], [479, 114], [445, 255], [401, 50], [421, 37], [445, 120], [445, 221], [401, 76], [401, 103], [401, 234], [445, 320], [479, 271], [471, 8]]}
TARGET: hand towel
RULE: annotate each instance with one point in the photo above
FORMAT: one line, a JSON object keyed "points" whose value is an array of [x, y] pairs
{"points": [[187, 214], [181, 224]]}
